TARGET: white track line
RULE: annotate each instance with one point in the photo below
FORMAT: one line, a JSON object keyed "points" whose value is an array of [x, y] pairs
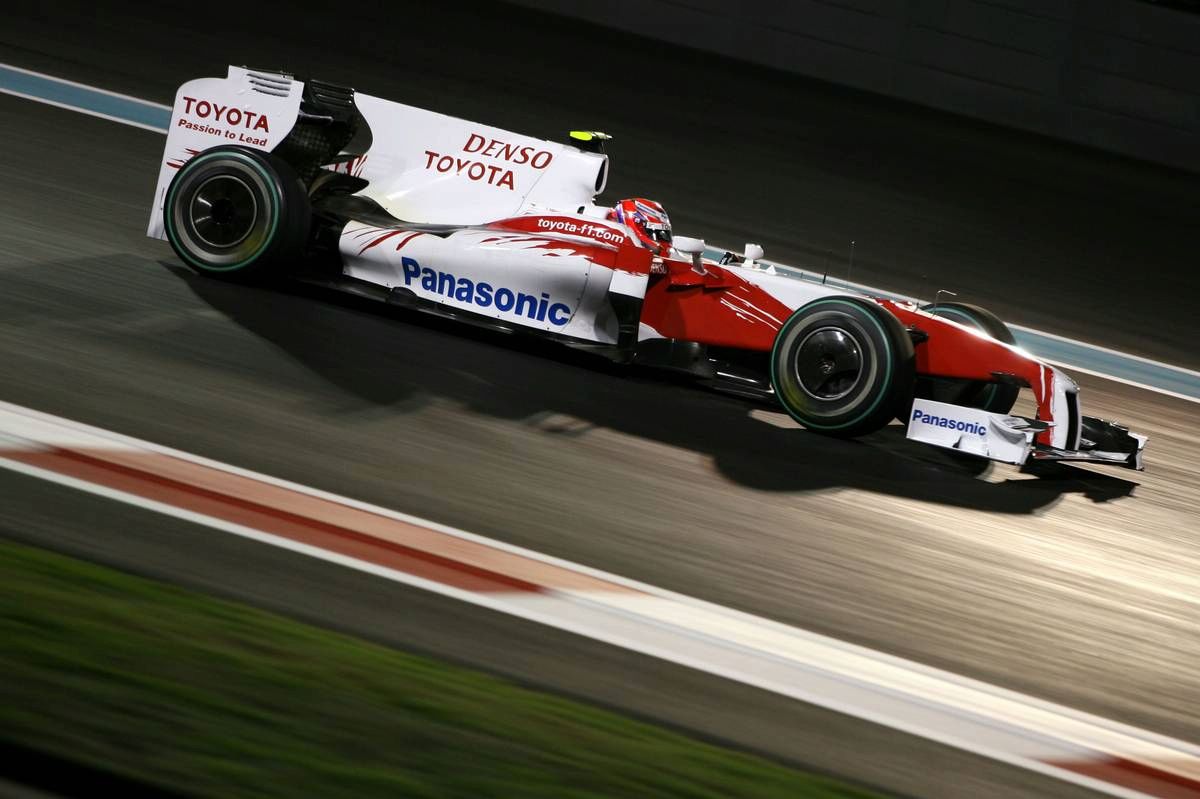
{"points": [[1123, 381], [89, 112], [1115, 353], [86, 87], [931, 703]]}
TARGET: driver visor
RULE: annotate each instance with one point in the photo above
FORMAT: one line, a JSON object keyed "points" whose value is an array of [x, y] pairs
{"points": [[657, 231]]}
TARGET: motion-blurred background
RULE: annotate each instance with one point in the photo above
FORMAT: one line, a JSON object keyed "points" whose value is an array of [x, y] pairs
{"points": [[1039, 158]]}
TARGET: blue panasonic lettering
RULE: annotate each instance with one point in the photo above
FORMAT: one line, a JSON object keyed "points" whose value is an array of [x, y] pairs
{"points": [[465, 290], [948, 423], [556, 310], [526, 304], [485, 295], [504, 299], [411, 269]]}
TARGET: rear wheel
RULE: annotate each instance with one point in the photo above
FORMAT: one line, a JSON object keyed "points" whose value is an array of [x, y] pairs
{"points": [[235, 212], [988, 396], [842, 366]]}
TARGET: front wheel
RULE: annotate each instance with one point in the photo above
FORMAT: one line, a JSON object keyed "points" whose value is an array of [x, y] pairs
{"points": [[236, 212], [842, 366]]}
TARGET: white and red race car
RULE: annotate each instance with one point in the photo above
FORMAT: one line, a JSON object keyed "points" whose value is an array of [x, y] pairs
{"points": [[264, 174]]}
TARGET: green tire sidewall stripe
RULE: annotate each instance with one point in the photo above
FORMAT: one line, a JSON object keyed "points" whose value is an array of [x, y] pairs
{"points": [[168, 209], [887, 375]]}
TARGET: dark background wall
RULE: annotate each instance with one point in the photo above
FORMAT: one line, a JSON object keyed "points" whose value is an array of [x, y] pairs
{"points": [[1121, 75]]}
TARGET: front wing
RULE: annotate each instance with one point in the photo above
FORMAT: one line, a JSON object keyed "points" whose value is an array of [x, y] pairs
{"points": [[1012, 439]]}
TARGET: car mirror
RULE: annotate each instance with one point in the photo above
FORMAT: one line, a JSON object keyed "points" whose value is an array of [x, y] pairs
{"points": [[692, 247]]}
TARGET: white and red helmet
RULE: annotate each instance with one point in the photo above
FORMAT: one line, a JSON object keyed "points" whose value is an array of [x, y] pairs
{"points": [[649, 222]]}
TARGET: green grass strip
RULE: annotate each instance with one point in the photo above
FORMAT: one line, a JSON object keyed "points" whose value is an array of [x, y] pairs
{"points": [[175, 688]]}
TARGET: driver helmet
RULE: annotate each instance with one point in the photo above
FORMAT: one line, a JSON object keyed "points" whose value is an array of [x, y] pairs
{"points": [[649, 222]]}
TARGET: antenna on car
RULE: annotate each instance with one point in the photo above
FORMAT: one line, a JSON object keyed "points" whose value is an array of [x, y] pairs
{"points": [[850, 268], [938, 298]]}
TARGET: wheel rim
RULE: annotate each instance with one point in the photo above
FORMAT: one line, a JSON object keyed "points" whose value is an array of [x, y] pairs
{"points": [[182, 210], [828, 363], [223, 211]]}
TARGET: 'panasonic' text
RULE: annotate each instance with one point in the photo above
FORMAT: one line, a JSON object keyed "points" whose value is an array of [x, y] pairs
{"points": [[948, 423], [485, 295]]}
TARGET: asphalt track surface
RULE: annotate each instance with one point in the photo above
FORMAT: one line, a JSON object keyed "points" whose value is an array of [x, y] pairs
{"points": [[1079, 586]]}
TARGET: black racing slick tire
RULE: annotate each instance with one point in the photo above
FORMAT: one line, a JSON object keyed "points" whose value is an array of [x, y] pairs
{"points": [[989, 396], [842, 366], [236, 212]]}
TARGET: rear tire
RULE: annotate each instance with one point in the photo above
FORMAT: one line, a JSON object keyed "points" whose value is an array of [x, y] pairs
{"points": [[988, 396], [842, 366], [235, 212]]}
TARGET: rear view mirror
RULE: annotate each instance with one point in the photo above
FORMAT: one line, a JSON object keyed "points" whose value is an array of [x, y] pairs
{"points": [[692, 247]]}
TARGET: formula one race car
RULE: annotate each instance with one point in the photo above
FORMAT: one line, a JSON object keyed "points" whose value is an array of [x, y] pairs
{"points": [[264, 174]]}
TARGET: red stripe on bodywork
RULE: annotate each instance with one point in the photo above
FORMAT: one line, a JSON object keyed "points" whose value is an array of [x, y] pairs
{"points": [[381, 239], [407, 240], [596, 252], [717, 307]]}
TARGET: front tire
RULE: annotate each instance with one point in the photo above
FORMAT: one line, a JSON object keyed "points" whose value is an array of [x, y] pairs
{"points": [[842, 366], [235, 212]]}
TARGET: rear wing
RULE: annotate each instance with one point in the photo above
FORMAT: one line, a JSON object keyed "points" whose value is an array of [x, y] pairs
{"points": [[419, 165]]}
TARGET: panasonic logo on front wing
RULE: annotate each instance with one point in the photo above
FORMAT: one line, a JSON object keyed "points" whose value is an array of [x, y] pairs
{"points": [[485, 295], [948, 423]]}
